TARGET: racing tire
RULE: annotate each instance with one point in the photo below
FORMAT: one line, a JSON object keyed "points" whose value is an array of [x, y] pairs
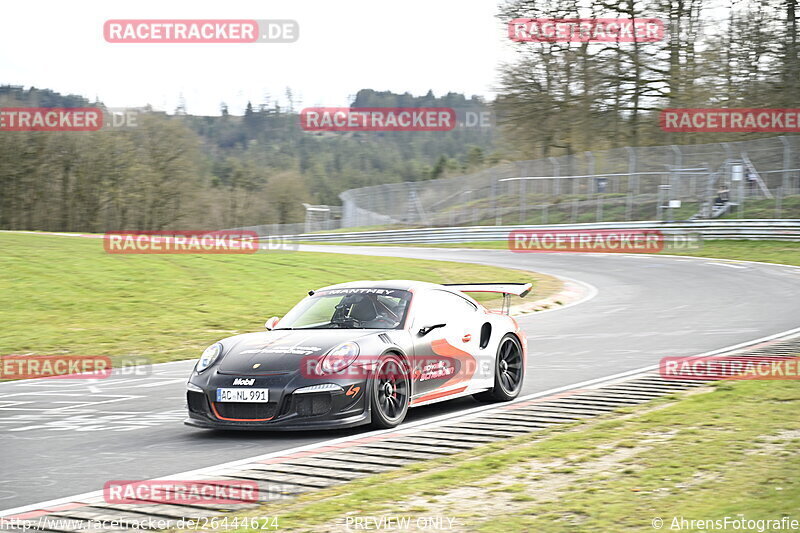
{"points": [[390, 392], [509, 372]]}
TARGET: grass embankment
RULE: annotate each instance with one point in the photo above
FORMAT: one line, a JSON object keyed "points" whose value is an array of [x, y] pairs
{"points": [[725, 450], [787, 253], [65, 295]]}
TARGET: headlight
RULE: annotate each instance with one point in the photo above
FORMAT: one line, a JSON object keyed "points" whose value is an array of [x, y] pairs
{"points": [[324, 387], [210, 355], [338, 358]]}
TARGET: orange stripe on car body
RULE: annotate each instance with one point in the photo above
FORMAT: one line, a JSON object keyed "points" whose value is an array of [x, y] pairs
{"points": [[434, 395], [445, 349]]}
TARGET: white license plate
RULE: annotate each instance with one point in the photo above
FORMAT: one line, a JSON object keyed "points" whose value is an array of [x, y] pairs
{"points": [[243, 395]]}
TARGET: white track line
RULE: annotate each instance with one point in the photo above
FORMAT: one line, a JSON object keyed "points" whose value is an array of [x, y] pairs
{"points": [[434, 421], [724, 264]]}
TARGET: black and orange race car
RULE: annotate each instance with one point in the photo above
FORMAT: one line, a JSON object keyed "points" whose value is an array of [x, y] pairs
{"points": [[360, 353]]}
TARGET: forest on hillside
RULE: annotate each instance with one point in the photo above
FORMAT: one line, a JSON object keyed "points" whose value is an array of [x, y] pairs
{"points": [[179, 171]]}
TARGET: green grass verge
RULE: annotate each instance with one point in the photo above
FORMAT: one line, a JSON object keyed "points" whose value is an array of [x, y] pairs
{"points": [[731, 449], [787, 253], [65, 295]]}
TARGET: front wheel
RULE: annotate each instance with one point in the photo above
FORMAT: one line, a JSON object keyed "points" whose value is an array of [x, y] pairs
{"points": [[508, 372], [389, 392]]}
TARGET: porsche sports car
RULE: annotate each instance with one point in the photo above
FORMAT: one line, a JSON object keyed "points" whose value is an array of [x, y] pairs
{"points": [[361, 353]]}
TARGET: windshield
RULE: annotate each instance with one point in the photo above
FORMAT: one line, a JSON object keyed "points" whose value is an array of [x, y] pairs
{"points": [[349, 309]]}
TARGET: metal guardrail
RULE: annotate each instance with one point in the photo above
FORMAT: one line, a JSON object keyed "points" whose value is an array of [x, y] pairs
{"points": [[754, 229]]}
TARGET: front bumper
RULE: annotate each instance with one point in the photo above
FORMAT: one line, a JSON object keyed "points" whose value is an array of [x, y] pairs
{"points": [[307, 425], [345, 407]]}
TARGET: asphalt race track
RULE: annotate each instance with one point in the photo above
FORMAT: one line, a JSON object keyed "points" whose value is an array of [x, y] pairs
{"points": [[65, 437]]}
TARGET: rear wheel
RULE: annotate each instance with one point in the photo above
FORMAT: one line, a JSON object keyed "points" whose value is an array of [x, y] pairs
{"points": [[389, 392], [508, 372]]}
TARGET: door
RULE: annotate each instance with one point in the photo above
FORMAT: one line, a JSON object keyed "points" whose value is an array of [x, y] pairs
{"points": [[446, 335]]}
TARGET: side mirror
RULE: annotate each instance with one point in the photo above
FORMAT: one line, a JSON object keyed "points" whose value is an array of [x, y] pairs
{"points": [[427, 329], [271, 323]]}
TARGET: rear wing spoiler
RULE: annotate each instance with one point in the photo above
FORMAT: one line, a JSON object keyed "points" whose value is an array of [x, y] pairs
{"points": [[506, 289]]}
